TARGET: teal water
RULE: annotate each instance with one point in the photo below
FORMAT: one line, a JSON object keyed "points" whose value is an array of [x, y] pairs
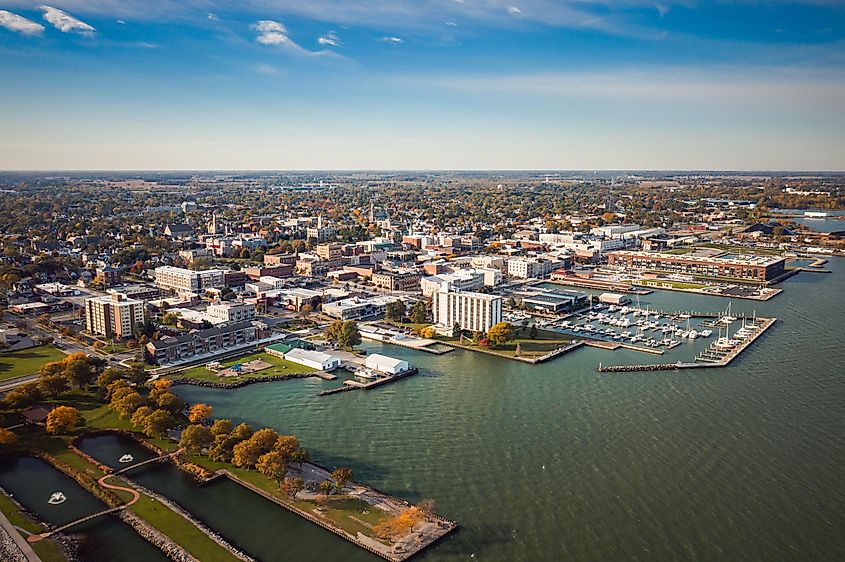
{"points": [[31, 481], [555, 462]]}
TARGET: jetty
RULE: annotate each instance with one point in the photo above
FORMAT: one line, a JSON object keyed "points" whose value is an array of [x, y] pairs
{"points": [[357, 385]]}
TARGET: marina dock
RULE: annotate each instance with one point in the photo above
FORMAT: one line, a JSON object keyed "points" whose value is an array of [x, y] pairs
{"points": [[357, 385]]}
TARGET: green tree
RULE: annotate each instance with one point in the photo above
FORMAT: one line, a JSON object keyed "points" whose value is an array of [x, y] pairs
{"points": [[79, 370], [221, 427], [395, 311], [300, 456], [349, 335], [326, 487], [534, 333], [196, 437], [419, 312], [52, 385], [128, 404]]}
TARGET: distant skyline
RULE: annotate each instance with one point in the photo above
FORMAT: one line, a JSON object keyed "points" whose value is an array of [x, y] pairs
{"points": [[422, 84]]}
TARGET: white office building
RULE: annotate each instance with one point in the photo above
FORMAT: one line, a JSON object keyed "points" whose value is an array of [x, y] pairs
{"points": [[532, 268], [475, 312]]}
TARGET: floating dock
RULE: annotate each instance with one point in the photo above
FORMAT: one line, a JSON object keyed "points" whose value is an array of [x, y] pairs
{"points": [[356, 385]]}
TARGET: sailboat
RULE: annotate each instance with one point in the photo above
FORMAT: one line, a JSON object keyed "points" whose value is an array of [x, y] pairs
{"points": [[727, 318]]}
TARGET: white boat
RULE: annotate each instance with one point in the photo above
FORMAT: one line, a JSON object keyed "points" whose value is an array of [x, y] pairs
{"points": [[56, 498], [127, 458], [706, 333], [692, 334], [366, 374]]}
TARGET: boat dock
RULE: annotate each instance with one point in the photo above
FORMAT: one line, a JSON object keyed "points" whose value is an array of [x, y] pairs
{"points": [[357, 385]]}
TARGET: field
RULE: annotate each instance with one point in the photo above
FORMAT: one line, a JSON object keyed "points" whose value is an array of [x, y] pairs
{"points": [[280, 367], [27, 361]]}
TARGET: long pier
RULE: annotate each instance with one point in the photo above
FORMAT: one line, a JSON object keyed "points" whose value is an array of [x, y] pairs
{"points": [[723, 361], [355, 385]]}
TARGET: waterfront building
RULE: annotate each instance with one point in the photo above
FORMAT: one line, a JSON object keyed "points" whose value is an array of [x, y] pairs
{"points": [[476, 312], [179, 348], [740, 266], [458, 281], [314, 359], [113, 316], [557, 302], [182, 280], [384, 364]]}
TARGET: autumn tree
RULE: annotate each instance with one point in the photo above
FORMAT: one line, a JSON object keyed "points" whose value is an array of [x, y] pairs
{"points": [[7, 437], [140, 415], [300, 456], [170, 402], [23, 396], [341, 476], [157, 423], [221, 427], [199, 413], [499, 334], [62, 419], [399, 525], [127, 403], [245, 454], [286, 445], [196, 437], [292, 486], [79, 370], [52, 385], [326, 487], [272, 465]]}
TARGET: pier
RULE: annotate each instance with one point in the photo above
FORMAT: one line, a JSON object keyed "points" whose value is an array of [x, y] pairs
{"points": [[356, 385]]}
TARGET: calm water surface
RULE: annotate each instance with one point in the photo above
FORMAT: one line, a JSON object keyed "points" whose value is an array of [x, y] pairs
{"points": [[555, 462]]}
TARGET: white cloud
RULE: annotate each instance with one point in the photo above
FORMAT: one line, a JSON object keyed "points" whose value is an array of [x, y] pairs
{"points": [[514, 11], [212, 16], [19, 24], [121, 22], [65, 22], [270, 32], [394, 40], [330, 39]]}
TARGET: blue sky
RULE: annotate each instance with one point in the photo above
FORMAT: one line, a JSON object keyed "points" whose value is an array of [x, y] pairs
{"points": [[422, 84]]}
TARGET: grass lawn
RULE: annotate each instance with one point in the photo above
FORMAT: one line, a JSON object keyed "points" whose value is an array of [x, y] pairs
{"points": [[345, 512], [27, 361], [182, 531], [668, 283], [545, 342], [47, 550], [280, 367]]}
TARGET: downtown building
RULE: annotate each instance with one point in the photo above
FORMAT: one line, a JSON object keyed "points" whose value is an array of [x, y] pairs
{"points": [[747, 266], [181, 280], [113, 316], [476, 312]]}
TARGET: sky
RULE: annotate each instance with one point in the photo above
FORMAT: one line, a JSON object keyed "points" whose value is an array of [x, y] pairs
{"points": [[422, 84]]}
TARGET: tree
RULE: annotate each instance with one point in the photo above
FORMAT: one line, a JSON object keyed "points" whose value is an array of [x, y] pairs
{"points": [[127, 404], [292, 486], [242, 431], [300, 456], [286, 445], [7, 437], [341, 476], [52, 385], [170, 319], [427, 332], [534, 333], [246, 453], [400, 525], [79, 369], [170, 402], [117, 387], [107, 377], [419, 312], [349, 335], [456, 330], [272, 465], [196, 437], [62, 419], [157, 423], [199, 413], [395, 311], [221, 427], [499, 334], [326, 487], [140, 415], [23, 396]]}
